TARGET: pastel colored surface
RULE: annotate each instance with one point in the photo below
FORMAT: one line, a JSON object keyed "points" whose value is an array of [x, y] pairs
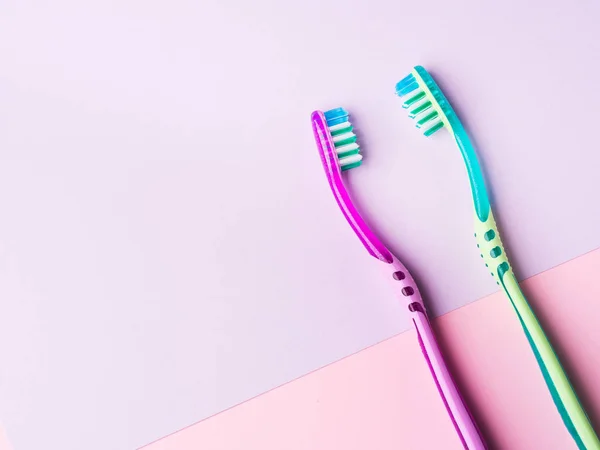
{"points": [[168, 244], [383, 397], [4, 442]]}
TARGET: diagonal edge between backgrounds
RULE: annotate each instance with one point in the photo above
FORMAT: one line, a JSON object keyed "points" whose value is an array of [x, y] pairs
{"points": [[350, 355]]}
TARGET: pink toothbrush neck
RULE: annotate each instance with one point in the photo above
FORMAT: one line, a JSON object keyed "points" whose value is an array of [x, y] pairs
{"points": [[334, 176]]}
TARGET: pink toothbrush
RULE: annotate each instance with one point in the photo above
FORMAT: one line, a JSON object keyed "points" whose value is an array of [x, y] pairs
{"points": [[339, 151]]}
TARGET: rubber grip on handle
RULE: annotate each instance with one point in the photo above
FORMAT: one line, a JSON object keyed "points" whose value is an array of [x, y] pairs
{"points": [[563, 394]]}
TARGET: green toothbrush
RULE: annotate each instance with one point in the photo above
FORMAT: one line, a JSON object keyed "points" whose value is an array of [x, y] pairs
{"points": [[432, 111]]}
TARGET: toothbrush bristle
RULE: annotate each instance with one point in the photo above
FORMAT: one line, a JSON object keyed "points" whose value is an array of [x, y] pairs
{"points": [[420, 105], [344, 139]]}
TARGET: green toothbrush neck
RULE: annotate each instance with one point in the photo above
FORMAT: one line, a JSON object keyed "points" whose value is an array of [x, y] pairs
{"points": [[480, 197]]}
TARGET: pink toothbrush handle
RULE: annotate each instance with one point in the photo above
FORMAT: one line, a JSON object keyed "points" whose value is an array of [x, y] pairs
{"points": [[405, 286], [462, 420]]}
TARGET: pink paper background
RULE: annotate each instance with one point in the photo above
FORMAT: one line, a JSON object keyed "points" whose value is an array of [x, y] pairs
{"points": [[4, 442], [383, 397], [169, 246]]}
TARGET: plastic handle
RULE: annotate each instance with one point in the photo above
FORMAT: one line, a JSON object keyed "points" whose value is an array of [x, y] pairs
{"points": [[563, 394], [463, 422]]}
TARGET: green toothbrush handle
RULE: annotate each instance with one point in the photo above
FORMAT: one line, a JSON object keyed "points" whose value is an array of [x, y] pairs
{"points": [[492, 251], [563, 394]]}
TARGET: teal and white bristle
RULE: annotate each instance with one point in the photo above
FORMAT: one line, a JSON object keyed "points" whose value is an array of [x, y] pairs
{"points": [[344, 139], [419, 104]]}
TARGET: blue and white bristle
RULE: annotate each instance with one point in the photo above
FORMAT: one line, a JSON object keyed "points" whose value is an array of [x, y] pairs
{"points": [[344, 139]]}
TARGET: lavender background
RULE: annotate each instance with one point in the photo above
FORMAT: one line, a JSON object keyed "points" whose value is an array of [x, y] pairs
{"points": [[168, 244]]}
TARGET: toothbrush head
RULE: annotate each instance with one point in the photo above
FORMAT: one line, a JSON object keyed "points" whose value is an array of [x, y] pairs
{"points": [[425, 101], [343, 138]]}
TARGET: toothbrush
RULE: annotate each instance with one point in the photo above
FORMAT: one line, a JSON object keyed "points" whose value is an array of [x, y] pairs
{"points": [[429, 107], [339, 152]]}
